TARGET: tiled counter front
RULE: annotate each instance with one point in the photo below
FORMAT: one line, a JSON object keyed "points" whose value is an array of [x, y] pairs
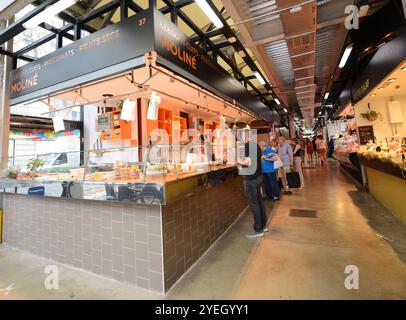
{"points": [[150, 246], [117, 240], [191, 225]]}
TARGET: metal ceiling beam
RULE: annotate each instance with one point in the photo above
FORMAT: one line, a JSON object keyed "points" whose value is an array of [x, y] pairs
{"points": [[135, 7], [35, 44], [17, 27], [107, 18], [98, 12], [177, 5]]}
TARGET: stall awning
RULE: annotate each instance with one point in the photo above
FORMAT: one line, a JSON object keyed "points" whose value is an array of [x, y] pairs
{"points": [[121, 47]]}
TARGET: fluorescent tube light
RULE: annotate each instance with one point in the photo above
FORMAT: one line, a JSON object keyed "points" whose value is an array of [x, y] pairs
{"points": [[259, 77], [49, 12], [286, 110], [326, 95], [210, 13], [345, 56], [277, 101]]}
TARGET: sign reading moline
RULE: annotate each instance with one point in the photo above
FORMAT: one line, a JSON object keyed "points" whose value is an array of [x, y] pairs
{"points": [[385, 60], [191, 62], [112, 45]]}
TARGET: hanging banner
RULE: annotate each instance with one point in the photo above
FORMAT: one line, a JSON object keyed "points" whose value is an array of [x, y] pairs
{"points": [[121, 47], [115, 44], [385, 60]]}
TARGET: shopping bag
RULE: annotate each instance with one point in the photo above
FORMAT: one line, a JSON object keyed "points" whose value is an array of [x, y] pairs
{"points": [[293, 179], [277, 163]]}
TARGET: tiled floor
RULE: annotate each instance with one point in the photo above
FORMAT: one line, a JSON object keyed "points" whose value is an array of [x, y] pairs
{"points": [[301, 258]]}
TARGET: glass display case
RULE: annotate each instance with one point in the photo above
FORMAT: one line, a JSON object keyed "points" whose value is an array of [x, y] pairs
{"points": [[386, 153], [137, 174], [345, 151]]}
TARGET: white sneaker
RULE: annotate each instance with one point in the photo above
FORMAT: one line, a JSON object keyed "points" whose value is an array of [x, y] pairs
{"points": [[254, 234]]}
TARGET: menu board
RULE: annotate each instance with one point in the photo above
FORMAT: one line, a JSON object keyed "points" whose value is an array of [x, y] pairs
{"points": [[366, 133]]}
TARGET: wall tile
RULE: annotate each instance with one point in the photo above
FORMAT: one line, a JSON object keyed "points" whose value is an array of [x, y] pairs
{"points": [[110, 239]]}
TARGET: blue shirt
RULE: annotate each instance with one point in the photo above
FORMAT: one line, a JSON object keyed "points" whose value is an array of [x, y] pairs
{"points": [[267, 166]]}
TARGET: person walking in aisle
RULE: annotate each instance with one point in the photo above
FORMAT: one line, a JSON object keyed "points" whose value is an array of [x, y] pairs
{"points": [[251, 169], [309, 150], [285, 153], [302, 143], [315, 150], [297, 160], [269, 156], [330, 148], [321, 149]]}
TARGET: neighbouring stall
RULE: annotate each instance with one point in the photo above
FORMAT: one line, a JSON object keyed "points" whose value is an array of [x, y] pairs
{"points": [[346, 142], [379, 98], [157, 183]]}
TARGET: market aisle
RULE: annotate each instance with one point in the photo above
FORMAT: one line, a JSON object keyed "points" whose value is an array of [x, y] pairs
{"points": [[305, 258]]}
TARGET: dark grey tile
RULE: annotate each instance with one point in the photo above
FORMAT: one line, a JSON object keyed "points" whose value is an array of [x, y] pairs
{"points": [[106, 235], [141, 233], [87, 247], [87, 262], [129, 257], [128, 222], [106, 219], [156, 281], [142, 283], [96, 241], [154, 226], [107, 251], [118, 264], [130, 274], [155, 262], [140, 216], [154, 244], [129, 240], [142, 269], [107, 268], [141, 250], [97, 258], [117, 246], [119, 276], [117, 229]]}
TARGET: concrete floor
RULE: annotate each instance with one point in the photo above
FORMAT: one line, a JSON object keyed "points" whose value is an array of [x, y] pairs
{"points": [[301, 258]]}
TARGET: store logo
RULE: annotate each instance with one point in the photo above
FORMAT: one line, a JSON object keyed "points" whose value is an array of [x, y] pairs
{"points": [[364, 88], [351, 282], [170, 32]]}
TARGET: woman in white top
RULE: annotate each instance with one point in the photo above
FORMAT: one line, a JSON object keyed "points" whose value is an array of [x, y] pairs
{"points": [[321, 145]]}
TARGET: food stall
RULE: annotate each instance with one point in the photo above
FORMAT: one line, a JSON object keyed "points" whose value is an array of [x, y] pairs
{"points": [[379, 99], [159, 126]]}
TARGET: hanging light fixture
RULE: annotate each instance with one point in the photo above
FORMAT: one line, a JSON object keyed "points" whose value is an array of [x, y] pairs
{"points": [[210, 13], [345, 56]]}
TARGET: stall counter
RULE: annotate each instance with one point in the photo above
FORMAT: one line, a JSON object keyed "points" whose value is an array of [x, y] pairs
{"points": [[149, 243]]}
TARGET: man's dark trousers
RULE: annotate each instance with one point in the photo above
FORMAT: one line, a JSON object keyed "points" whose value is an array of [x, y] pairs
{"points": [[253, 190]]}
